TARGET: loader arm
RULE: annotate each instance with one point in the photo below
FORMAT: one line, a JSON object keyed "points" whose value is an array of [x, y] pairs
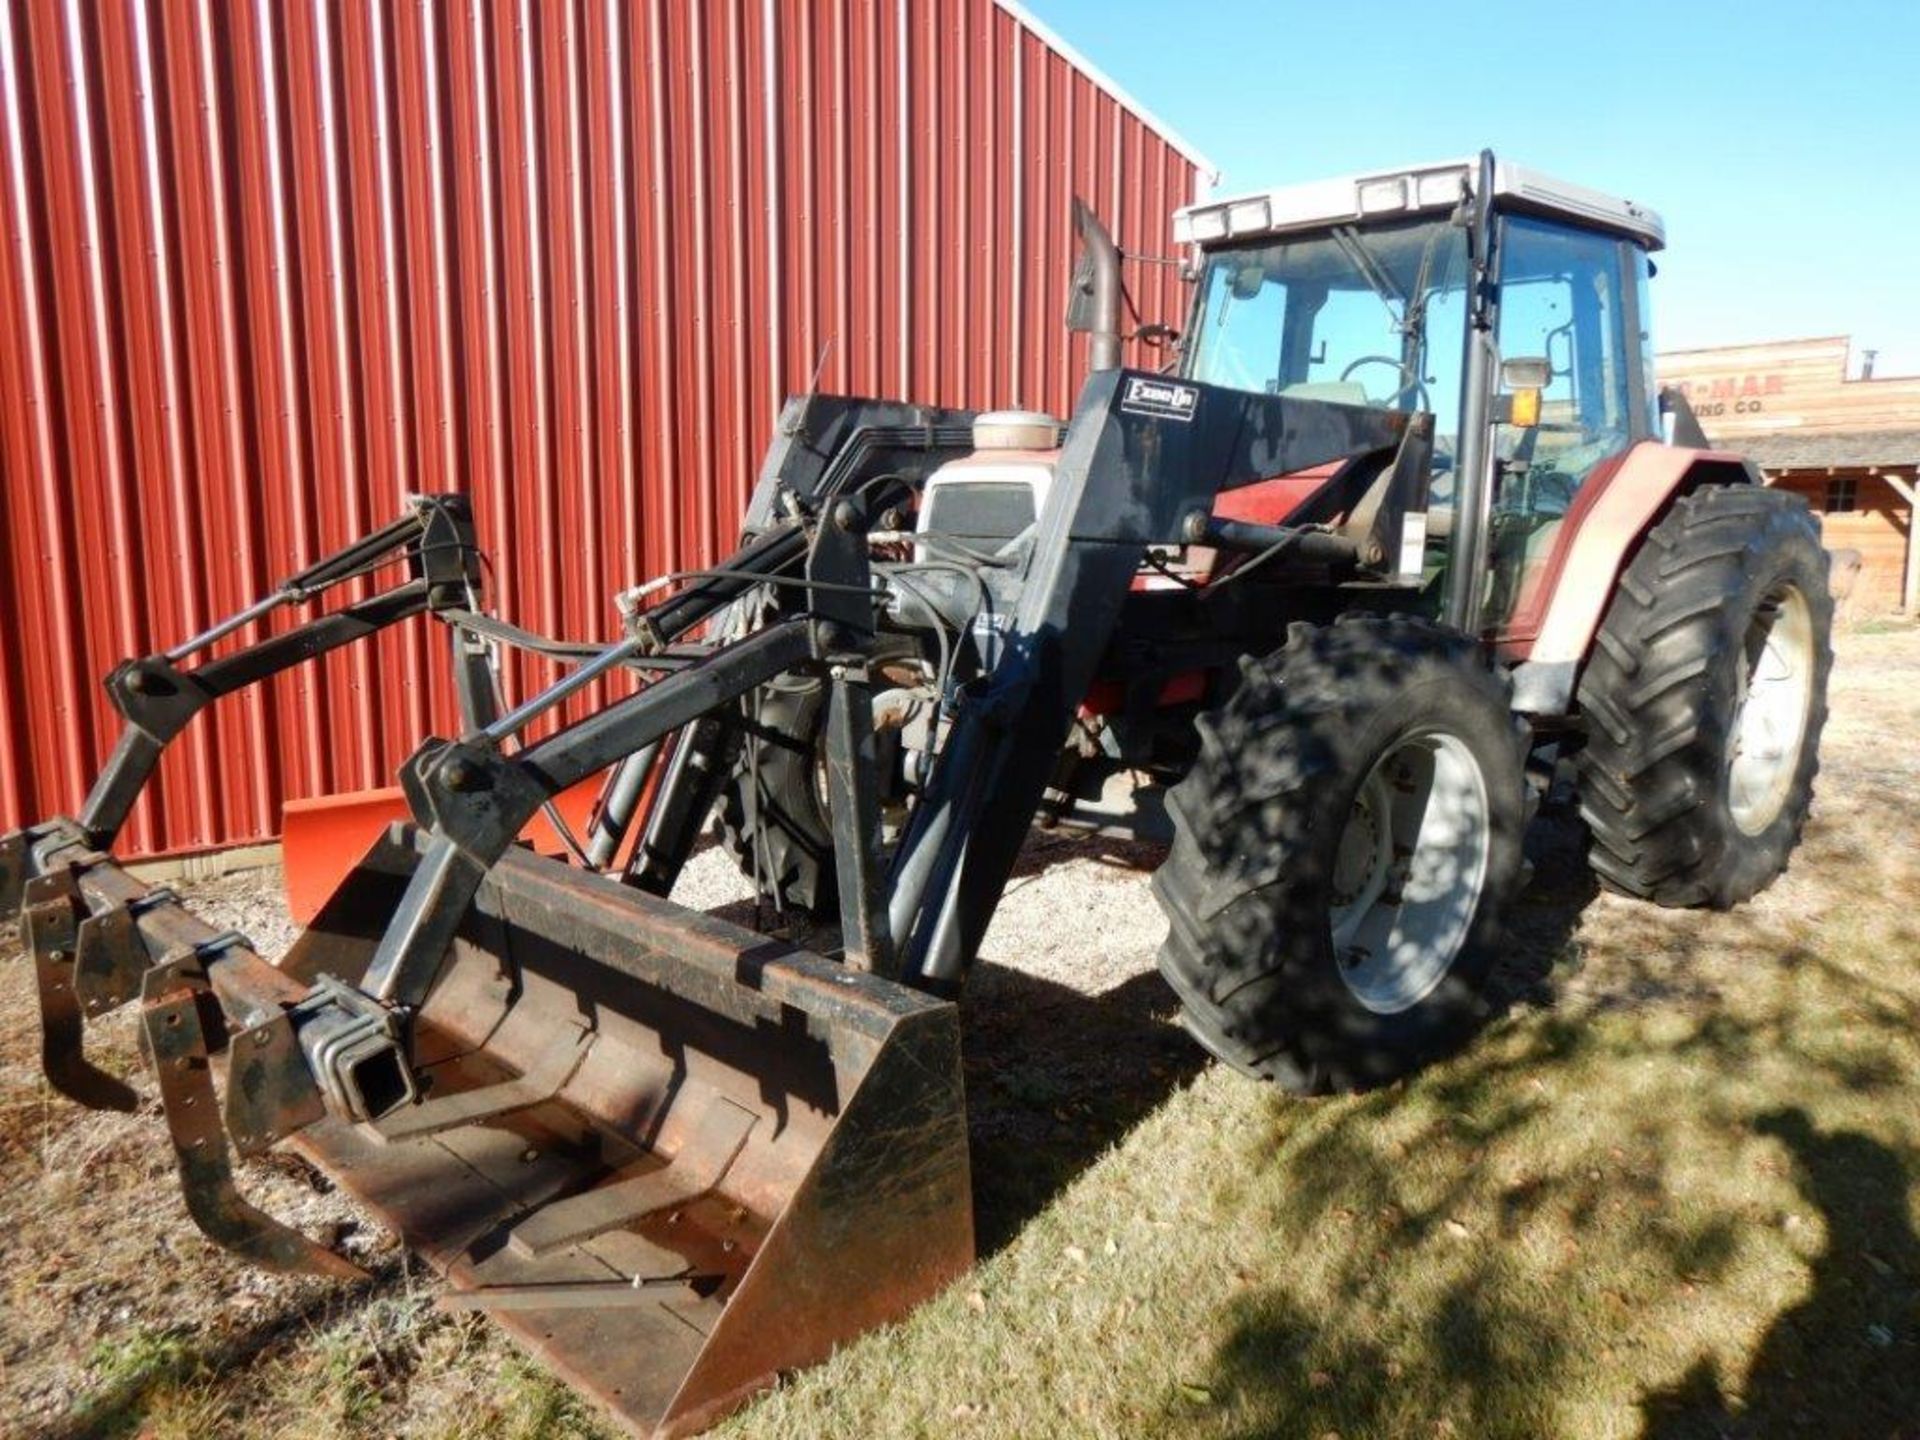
{"points": [[469, 796], [157, 699]]}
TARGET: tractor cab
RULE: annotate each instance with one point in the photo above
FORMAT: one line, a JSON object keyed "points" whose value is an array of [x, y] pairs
{"points": [[1356, 291]]}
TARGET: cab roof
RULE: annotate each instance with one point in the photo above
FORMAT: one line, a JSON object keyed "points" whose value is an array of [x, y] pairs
{"points": [[1380, 195]]}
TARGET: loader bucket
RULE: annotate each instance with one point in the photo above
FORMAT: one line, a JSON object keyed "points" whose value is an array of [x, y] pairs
{"points": [[672, 1156]]}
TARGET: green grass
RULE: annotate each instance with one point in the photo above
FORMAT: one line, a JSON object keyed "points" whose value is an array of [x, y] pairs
{"points": [[1674, 1192], [1662, 1220], [1678, 1201]]}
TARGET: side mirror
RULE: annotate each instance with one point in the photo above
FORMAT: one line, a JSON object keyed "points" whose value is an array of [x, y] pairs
{"points": [[1529, 372]]}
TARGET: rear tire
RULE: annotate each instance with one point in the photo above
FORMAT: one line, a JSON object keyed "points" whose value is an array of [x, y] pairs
{"points": [[1714, 654], [1375, 758]]}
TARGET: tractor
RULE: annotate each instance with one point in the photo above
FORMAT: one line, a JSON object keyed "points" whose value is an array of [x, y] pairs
{"points": [[1402, 536]]}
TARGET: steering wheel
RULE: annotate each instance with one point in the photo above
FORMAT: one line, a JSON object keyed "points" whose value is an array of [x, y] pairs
{"points": [[1415, 388]]}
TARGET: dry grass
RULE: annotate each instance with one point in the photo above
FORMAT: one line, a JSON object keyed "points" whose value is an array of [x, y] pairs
{"points": [[1674, 1192]]}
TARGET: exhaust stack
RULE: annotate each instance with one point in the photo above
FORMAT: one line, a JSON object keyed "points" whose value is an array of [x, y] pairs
{"points": [[1095, 304]]}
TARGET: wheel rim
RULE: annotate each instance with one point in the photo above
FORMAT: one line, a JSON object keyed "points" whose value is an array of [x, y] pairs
{"points": [[1770, 722], [1409, 871]]}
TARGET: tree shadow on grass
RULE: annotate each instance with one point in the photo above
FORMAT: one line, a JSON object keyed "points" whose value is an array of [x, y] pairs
{"points": [[1844, 1360], [1585, 1264], [1491, 1359]]}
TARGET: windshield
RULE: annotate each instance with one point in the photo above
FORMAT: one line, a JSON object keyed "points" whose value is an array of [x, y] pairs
{"points": [[1362, 317]]}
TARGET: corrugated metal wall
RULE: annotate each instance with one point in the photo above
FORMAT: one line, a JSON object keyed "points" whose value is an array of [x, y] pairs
{"points": [[270, 265]]}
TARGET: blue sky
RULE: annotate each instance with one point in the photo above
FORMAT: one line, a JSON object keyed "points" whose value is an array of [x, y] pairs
{"points": [[1781, 142]]}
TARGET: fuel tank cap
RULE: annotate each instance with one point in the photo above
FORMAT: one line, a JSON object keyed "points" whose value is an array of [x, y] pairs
{"points": [[1016, 430]]}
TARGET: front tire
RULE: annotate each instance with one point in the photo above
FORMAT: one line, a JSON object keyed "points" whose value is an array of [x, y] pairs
{"points": [[1705, 698], [777, 791], [1344, 846]]}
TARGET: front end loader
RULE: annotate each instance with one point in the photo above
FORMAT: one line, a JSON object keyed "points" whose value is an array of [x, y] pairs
{"points": [[1324, 607]]}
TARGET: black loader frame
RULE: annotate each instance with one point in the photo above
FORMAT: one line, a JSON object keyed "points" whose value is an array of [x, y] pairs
{"points": [[329, 1038]]}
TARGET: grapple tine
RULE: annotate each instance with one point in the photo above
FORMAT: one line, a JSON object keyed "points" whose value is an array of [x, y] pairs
{"points": [[177, 1004], [52, 925]]}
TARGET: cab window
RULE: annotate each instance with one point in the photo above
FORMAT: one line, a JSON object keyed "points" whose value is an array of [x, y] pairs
{"points": [[1355, 316]]}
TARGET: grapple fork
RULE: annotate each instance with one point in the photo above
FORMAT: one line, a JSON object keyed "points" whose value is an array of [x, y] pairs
{"points": [[673, 1156]]}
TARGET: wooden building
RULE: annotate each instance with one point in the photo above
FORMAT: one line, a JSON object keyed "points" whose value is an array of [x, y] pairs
{"points": [[1850, 444]]}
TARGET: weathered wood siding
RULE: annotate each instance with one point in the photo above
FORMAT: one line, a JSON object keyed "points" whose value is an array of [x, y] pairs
{"points": [[1798, 385]]}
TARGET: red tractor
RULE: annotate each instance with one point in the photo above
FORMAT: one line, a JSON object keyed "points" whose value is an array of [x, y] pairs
{"points": [[1325, 605]]}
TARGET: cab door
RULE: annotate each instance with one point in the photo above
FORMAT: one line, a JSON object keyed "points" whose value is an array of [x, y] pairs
{"points": [[1571, 298]]}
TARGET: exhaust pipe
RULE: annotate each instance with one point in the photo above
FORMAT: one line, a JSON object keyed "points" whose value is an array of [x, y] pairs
{"points": [[1095, 306]]}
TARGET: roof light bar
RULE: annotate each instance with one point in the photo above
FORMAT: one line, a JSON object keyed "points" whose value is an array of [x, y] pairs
{"points": [[1414, 190], [1249, 217]]}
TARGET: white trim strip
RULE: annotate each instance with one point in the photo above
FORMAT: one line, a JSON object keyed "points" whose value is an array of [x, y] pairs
{"points": [[770, 122], [902, 81], [1017, 319], [1051, 38]]}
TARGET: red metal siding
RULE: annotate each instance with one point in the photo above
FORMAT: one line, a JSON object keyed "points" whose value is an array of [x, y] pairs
{"points": [[270, 265]]}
